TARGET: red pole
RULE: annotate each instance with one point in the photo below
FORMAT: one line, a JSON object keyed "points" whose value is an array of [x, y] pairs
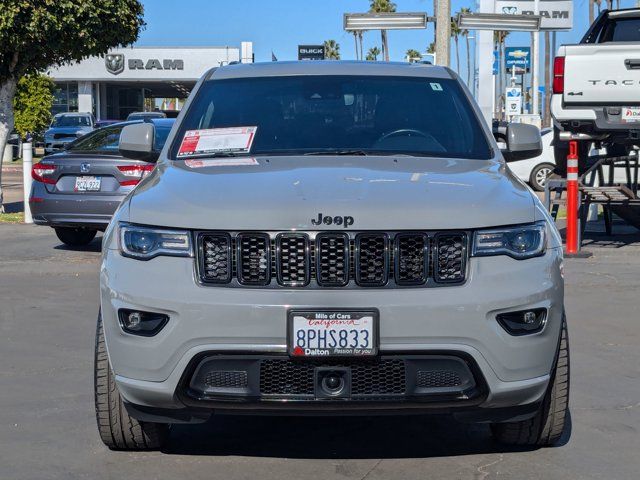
{"points": [[572, 198]]}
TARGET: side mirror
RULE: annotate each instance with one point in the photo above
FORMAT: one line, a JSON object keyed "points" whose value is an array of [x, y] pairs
{"points": [[523, 141], [136, 142]]}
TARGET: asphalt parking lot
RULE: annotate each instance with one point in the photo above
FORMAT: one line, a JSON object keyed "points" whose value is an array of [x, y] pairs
{"points": [[48, 307]]}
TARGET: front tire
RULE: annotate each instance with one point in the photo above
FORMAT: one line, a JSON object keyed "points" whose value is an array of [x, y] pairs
{"points": [[117, 429], [75, 237], [546, 428]]}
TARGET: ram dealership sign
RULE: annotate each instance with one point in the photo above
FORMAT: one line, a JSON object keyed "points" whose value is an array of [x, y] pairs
{"points": [[556, 14], [147, 63]]}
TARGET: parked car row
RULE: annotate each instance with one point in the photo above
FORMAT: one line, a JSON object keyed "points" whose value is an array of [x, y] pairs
{"points": [[68, 126], [76, 191]]}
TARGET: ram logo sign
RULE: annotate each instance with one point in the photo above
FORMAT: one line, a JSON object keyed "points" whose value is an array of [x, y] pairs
{"points": [[556, 15], [115, 63]]}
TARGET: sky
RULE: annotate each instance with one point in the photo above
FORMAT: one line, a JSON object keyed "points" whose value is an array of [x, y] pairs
{"points": [[279, 26]]}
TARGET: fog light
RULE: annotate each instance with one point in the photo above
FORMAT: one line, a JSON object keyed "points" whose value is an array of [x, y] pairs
{"points": [[145, 324], [523, 322], [133, 320], [529, 317]]}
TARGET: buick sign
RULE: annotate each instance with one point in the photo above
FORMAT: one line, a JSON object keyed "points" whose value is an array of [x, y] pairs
{"points": [[310, 52]]}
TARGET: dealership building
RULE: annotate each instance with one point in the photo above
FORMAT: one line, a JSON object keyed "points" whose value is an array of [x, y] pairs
{"points": [[134, 79]]}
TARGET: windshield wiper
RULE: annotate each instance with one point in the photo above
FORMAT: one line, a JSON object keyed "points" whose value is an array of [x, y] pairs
{"points": [[338, 152]]}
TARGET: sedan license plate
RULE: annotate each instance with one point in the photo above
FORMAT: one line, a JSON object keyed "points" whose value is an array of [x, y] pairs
{"points": [[630, 114], [87, 184], [325, 333]]}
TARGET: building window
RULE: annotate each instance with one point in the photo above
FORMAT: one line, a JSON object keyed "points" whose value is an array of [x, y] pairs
{"points": [[65, 98]]}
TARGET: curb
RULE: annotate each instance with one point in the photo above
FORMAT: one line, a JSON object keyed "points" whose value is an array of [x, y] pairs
{"points": [[12, 169]]}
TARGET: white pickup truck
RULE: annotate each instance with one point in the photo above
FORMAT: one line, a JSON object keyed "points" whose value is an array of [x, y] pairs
{"points": [[596, 87]]}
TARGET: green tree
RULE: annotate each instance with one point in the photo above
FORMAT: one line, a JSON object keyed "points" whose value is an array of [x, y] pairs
{"points": [[38, 34], [383, 6], [455, 34], [372, 54], [431, 48], [413, 56], [331, 50], [465, 34], [32, 104]]}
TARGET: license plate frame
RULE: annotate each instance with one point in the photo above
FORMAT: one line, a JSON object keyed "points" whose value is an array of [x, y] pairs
{"points": [[84, 180], [630, 114], [370, 317]]}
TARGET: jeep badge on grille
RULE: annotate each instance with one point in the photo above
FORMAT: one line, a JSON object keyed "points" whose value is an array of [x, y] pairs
{"points": [[346, 221]]}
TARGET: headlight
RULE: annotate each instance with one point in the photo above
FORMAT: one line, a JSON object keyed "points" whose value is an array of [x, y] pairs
{"points": [[523, 241], [145, 243]]}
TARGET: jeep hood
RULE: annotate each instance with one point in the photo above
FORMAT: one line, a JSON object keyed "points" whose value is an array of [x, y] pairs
{"points": [[283, 193]]}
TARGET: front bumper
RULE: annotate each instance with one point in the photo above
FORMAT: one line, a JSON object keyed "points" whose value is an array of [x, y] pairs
{"points": [[454, 321]]}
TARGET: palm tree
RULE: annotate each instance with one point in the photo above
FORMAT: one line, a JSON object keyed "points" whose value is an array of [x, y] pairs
{"points": [[331, 50], [383, 6], [465, 34], [372, 54], [413, 56], [455, 33]]}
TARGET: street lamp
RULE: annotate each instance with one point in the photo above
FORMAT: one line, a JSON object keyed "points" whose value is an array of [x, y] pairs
{"points": [[385, 21], [497, 21]]}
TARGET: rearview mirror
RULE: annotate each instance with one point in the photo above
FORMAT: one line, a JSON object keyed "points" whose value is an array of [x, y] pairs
{"points": [[136, 142], [523, 141]]}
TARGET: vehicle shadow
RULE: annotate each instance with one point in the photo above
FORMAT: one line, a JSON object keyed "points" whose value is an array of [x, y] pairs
{"points": [[95, 246], [334, 437]]}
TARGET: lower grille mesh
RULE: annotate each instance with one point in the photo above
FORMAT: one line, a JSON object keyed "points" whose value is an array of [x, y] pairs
{"points": [[226, 379], [438, 378], [285, 377]]}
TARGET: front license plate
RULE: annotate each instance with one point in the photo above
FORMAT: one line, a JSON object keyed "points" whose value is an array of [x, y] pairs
{"points": [[326, 333], [631, 114], [87, 184]]}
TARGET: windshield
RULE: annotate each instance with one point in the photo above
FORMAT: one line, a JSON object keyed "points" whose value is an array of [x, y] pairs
{"points": [[71, 121], [107, 139], [333, 114]]}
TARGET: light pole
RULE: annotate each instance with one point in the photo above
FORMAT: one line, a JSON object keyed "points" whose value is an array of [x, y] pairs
{"points": [[443, 32]]}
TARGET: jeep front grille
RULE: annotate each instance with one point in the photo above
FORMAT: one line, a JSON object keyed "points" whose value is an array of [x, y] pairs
{"points": [[332, 259]]}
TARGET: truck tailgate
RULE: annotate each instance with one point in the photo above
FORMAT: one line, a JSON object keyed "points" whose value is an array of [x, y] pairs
{"points": [[607, 74]]}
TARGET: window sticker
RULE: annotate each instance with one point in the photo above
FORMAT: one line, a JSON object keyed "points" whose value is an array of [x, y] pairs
{"points": [[217, 140], [436, 87]]}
